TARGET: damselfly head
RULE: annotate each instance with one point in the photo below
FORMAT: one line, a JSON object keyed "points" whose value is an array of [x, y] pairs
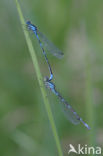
{"points": [[28, 22], [31, 26], [28, 25]]}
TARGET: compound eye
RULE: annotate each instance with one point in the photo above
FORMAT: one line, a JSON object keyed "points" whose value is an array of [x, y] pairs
{"points": [[28, 22]]}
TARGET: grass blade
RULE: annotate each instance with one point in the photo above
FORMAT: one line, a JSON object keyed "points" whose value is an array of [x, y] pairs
{"points": [[40, 80]]}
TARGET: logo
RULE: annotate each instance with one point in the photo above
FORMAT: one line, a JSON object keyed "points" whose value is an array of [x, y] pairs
{"points": [[72, 149], [85, 150]]}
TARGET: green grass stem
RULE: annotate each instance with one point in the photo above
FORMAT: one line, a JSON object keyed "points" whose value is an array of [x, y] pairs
{"points": [[40, 80]]}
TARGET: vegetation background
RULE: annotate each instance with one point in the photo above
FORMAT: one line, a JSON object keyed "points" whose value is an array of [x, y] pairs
{"points": [[76, 27]]}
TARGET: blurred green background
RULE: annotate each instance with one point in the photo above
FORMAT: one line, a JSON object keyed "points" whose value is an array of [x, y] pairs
{"points": [[75, 27]]}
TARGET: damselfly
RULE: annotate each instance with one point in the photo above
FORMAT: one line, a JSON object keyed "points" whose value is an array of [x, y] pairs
{"points": [[68, 110], [45, 44]]}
